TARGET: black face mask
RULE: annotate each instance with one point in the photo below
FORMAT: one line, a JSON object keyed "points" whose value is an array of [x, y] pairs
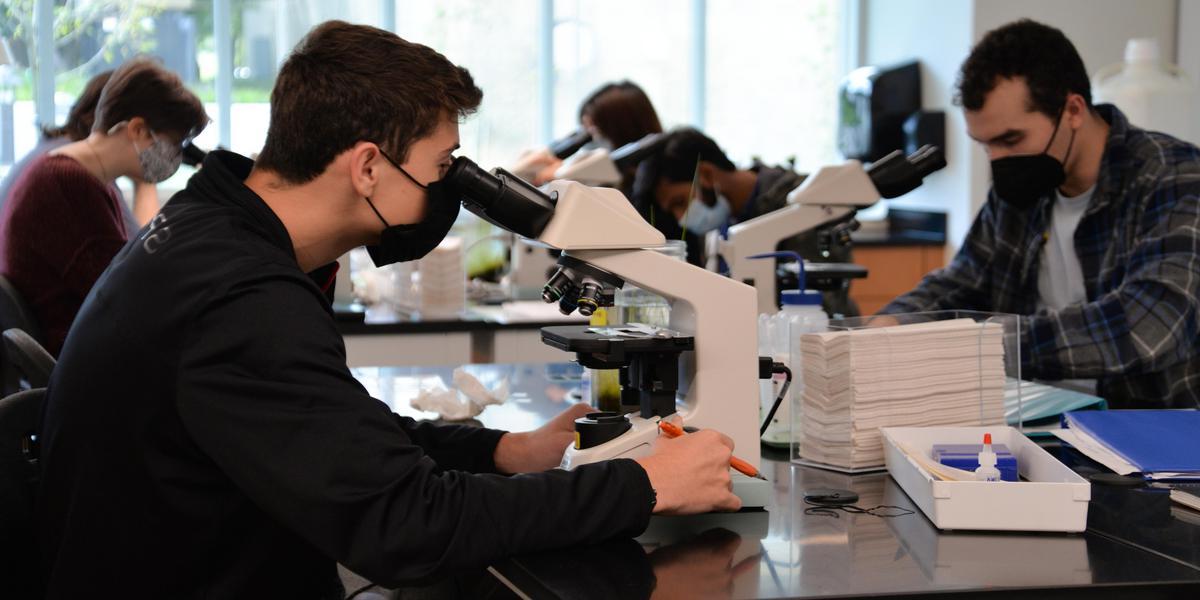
{"points": [[1023, 180], [402, 243]]}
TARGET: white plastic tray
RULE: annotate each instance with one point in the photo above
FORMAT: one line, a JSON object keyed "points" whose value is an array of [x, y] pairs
{"points": [[1051, 496]]}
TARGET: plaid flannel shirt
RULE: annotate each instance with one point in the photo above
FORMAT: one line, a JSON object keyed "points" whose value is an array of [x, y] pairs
{"points": [[1139, 248]]}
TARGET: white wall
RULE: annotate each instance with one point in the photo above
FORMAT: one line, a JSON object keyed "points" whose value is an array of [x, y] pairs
{"points": [[936, 32], [1188, 37], [940, 34]]}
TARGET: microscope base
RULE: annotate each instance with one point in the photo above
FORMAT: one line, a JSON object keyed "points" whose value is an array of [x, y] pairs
{"points": [[639, 441], [754, 492]]}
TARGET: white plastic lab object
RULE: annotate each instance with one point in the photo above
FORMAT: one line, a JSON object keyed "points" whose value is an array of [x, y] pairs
{"points": [[766, 387], [601, 228], [779, 338], [439, 283], [532, 264], [987, 471], [590, 167], [1154, 95], [635, 305], [801, 313], [1059, 494], [829, 195], [588, 218]]}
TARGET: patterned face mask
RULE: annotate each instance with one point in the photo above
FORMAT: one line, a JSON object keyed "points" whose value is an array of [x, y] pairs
{"points": [[159, 160]]}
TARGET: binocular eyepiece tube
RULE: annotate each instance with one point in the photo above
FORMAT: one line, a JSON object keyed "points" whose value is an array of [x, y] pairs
{"points": [[501, 198], [896, 174]]}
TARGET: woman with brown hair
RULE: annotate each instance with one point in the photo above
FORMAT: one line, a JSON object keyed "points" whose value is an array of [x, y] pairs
{"points": [[614, 114], [79, 126], [617, 114], [62, 222]]}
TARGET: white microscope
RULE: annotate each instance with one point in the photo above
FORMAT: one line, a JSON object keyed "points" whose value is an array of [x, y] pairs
{"points": [[831, 195], [600, 167], [597, 167], [701, 371]]}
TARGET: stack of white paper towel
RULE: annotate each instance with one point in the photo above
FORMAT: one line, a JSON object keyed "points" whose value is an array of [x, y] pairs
{"points": [[856, 381]]}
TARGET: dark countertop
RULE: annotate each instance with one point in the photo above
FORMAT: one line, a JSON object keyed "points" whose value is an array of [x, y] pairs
{"points": [[1135, 546], [907, 238], [906, 228]]}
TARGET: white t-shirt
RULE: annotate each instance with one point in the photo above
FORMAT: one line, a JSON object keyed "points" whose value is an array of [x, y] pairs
{"points": [[1060, 277]]}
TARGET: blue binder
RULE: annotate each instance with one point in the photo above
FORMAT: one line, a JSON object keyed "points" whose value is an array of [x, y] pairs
{"points": [[1154, 441]]}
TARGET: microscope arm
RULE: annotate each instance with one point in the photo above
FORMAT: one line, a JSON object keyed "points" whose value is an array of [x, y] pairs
{"points": [[602, 236], [600, 167], [830, 195], [763, 234], [719, 313]]}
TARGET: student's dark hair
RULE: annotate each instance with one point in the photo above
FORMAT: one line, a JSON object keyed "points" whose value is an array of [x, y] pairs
{"points": [[344, 84], [679, 155], [1037, 53], [622, 112], [83, 112], [141, 87]]}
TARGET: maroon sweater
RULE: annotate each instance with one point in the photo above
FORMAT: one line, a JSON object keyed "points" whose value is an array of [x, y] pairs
{"points": [[60, 228]]}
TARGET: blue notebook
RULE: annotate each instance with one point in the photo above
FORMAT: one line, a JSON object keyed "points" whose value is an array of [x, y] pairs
{"points": [[1154, 441]]}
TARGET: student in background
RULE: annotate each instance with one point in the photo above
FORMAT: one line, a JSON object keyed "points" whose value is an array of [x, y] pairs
{"points": [[691, 187], [1090, 229], [203, 435], [78, 127], [615, 114], [63, 222]]}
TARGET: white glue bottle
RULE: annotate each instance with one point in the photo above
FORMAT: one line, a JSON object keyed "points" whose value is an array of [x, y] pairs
{"points": [[987, 470]]}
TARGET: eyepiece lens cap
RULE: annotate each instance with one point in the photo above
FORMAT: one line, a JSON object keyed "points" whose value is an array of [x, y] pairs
{"points": [[830, 496]]}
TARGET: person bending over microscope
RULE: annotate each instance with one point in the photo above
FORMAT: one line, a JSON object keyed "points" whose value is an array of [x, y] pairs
{"points": [[203, 435]]}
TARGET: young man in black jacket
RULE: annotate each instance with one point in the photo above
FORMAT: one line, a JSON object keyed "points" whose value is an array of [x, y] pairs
{"points": [[203, 436]]}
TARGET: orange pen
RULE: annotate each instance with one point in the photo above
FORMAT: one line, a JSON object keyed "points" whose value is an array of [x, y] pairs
{"points": [[672, 430]]}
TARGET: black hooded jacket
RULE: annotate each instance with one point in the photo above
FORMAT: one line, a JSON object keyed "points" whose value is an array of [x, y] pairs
{"points": [[203, 437]]}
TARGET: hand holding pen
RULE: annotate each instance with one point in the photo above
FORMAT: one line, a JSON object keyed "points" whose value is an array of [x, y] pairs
{"points": [[690, 474], [672, 430]]}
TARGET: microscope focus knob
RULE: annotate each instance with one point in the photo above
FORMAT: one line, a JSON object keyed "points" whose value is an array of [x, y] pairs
{"points": [[599, 427]]}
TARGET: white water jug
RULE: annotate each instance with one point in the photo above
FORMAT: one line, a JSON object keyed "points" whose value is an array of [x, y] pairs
{"points": [[1154, 95]]}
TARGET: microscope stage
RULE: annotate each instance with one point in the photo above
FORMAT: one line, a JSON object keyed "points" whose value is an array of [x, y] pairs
{"points": [[616, 340]]}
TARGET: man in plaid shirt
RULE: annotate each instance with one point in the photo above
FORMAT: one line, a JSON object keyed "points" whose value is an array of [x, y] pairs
{"points": [[1091, 229]]}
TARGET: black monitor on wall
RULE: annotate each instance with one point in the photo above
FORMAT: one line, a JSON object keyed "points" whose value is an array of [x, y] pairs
{"points": [[873, 103]]}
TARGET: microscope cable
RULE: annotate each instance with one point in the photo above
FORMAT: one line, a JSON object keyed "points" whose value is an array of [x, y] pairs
{"points": [[787, 383]]}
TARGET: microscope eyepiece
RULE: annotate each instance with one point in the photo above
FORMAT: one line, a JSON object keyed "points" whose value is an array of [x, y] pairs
{"points": [[501, 198], [928, 159], [634, 152], [566, 147], [896, 174]]}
